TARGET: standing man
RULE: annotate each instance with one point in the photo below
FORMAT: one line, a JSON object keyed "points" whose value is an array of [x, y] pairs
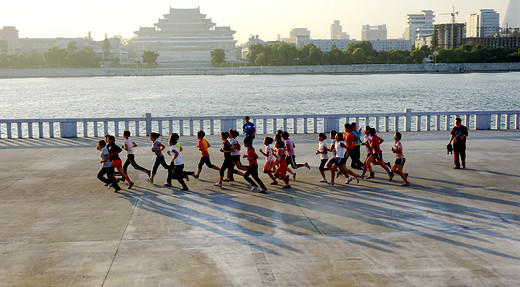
{"points": [[459, 133], [249, 129]]}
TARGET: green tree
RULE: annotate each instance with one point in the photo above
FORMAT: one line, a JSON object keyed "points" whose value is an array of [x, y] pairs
{"points": [[55, 57], [35, 60], [218, 57], [417, 56], [261, 60], [309, 55], [287, 54], [4, 60], [83, 58], [359, 56], [106, 48], [150, 58], [334, 56], [72, 46], [254, 50]]}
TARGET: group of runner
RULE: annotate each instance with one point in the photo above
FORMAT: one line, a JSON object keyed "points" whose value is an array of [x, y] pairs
{"points": [[280, 160]]}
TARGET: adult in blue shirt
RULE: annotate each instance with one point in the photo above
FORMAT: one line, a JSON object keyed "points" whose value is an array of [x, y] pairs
{"points": [[249, 129]]}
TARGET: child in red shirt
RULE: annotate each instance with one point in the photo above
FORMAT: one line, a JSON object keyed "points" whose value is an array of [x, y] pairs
{"points": [[252, 169]]}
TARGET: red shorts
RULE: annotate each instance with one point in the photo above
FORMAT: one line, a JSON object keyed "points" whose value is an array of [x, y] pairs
{"points": [[269, 166], [117, 163], [282, 169]]}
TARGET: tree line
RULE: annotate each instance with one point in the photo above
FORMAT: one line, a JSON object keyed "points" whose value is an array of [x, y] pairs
{"points": [[69, 57], [283, 54]]}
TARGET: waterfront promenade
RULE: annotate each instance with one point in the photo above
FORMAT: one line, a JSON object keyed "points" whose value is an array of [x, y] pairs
{"points": [[59, 226]]}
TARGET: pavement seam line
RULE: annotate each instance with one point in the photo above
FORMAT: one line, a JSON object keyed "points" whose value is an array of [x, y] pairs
{"points": [[121, 240], [308, 218]]}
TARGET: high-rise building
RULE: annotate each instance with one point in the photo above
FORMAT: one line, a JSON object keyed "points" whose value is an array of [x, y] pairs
{"points": [[484, 23], [184, 36], [449, 36], [300, 32], [9, 41], [512, 19], [297, 33], [336, 32], [419, 25], [373, 33]]}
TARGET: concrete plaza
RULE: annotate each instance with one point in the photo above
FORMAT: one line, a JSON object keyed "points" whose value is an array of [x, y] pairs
{"points": [[59, 226]]}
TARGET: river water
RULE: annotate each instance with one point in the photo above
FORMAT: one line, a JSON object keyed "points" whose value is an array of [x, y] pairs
{"points": [[255, 95]]}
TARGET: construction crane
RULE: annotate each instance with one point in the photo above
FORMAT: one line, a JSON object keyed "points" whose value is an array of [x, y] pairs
{"points": [[453, 15]]}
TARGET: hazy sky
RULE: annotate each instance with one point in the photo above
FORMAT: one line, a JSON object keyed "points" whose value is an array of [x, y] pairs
{"points": [[267, 18]]}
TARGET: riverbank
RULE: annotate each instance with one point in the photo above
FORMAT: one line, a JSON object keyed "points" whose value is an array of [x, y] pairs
{"points": [[272, 70]]}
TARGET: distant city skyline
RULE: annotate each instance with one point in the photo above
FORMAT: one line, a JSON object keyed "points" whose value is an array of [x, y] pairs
{"points": [[60, 18]]}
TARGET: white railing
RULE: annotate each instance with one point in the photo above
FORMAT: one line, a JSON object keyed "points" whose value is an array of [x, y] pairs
{"points": [[265, 124]]}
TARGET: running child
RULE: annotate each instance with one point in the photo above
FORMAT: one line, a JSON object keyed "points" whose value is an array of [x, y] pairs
{"points": [[176, 168], [129, 145], [252, 169], [332, 149], [366, 143], [341, 161], [235, 155], [323, 152], [377, 154], [203, 145], [106, 167], [228, 161], [116, 161], [281, 162], [157, 148], [269, 159], [399, 158], [291, 156]]}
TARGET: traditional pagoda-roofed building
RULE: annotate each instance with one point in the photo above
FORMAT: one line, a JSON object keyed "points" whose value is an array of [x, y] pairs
{"points": [[184, 37]]}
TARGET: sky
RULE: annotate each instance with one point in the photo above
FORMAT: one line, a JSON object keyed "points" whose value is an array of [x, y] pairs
{"points": [[266, 18]]}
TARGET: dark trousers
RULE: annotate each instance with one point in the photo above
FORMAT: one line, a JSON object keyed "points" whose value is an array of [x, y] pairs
{"points": [[228, 163], [109, 171], [159, 160], [459, 150], [130, 160], [253, 171], [355, 156], [176, 172]]}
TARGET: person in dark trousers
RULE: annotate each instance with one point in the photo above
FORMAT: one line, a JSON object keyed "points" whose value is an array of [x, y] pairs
{"points": [[106, 167], [129, 145], [252, 169], [459, 133], [356, 163], [157, 148], [176, 167]]}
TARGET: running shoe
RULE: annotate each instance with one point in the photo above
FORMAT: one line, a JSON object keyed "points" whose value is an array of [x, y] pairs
{"points": [[274, 183], [149, 180], [253, 189], [286, 186], [323, 180], [307, 165], [390, 176], [405, 184], [130, 185], [218, 184]]}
